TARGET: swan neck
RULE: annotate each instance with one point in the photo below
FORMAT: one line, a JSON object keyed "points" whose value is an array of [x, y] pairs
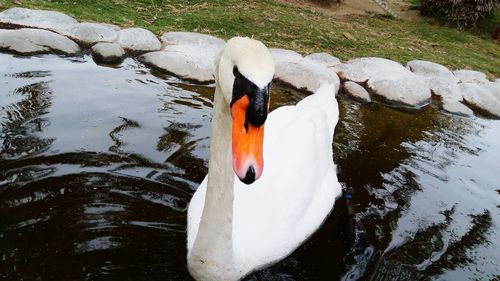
{"points": [[213, 243]]}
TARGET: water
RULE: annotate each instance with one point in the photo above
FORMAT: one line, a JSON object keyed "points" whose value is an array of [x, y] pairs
{"points": [[97, 166]]}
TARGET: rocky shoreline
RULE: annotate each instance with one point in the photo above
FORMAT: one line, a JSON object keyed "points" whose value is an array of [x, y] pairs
{"points": [[191, 56]]}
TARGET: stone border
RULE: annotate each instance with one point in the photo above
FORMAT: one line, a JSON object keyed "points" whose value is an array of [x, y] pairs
{"points": [[191, 56]]}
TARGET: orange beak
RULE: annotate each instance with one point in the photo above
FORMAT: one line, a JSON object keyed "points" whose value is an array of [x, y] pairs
{"points": [[248, 141]]}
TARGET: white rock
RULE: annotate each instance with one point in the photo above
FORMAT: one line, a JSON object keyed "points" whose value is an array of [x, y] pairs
{"points": [[388, 79], [431, 70], [470, 76], [302, 73], [36, 41], [400, 90], [187, 54], [356, 91], [443, 83], [112, 26], [324, 58], [35, 18], [87, 32], [170, 39], [108, 52], [456, 107], [485, 96], [362, 69], [444, 88], [138, 40], [182, 66], [451, 95], [471, 86], [285, 55]]}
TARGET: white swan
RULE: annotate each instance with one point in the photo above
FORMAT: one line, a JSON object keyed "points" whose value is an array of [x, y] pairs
{"points": [[235, 228]]}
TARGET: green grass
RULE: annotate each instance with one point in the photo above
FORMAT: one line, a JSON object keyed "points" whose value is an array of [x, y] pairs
{"points": [[415, 3], [304, 29]]}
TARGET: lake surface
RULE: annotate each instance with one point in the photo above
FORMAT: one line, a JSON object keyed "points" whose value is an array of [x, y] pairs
{"points": [[98, 164]]}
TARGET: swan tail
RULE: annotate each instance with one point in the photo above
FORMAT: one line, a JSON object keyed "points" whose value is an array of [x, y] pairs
{"points": [[324, 100]]}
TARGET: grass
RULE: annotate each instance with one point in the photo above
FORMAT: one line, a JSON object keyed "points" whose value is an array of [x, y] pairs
{"points": [[304, 29], [415, 3]]}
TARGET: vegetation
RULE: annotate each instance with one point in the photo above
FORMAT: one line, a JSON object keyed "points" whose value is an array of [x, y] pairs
{"points": [[294, 26], [462, 13], [327, 2]]}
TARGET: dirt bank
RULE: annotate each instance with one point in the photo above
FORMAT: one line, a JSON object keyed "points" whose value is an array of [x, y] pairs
{"points": [[361, 7]]}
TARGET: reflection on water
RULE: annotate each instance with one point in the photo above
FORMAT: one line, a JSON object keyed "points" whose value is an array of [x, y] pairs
{"points": [[25, 118], [97, 166]]}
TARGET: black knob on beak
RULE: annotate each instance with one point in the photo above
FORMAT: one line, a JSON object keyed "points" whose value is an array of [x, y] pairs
{"points": [[256, 113], [250, 176], [257, 110]]}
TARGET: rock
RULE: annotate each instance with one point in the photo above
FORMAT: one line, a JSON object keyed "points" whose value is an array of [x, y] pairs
{"points": [[387, 79], [88, 33], [444, 88], [427, 69], [356, 91], [460, 85], [324, 58], [170, 39], [362, 69], [470, 76], [401, 90], [443, 83], [138, 40], [451, 96], [108, 52], [284, 54], [187, 54], [483, 96], [456, 107], [36, 41], [438, 78], [302, 73], [34, 18], [112, 26]]}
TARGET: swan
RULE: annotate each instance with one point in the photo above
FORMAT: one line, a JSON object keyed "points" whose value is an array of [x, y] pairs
{"points": [[244, 217]]}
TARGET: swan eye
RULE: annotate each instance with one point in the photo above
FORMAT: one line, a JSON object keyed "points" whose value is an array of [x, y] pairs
{"points": [[235, 71]]}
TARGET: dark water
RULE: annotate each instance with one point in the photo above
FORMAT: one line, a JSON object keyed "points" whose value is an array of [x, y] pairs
{"points": [[97, 166]]}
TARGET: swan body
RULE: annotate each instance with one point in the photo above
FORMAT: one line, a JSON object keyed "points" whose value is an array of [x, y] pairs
{"points": [[235, 228]]}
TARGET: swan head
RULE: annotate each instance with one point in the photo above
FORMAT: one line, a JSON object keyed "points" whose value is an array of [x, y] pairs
{"points": [[244, 72]]}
